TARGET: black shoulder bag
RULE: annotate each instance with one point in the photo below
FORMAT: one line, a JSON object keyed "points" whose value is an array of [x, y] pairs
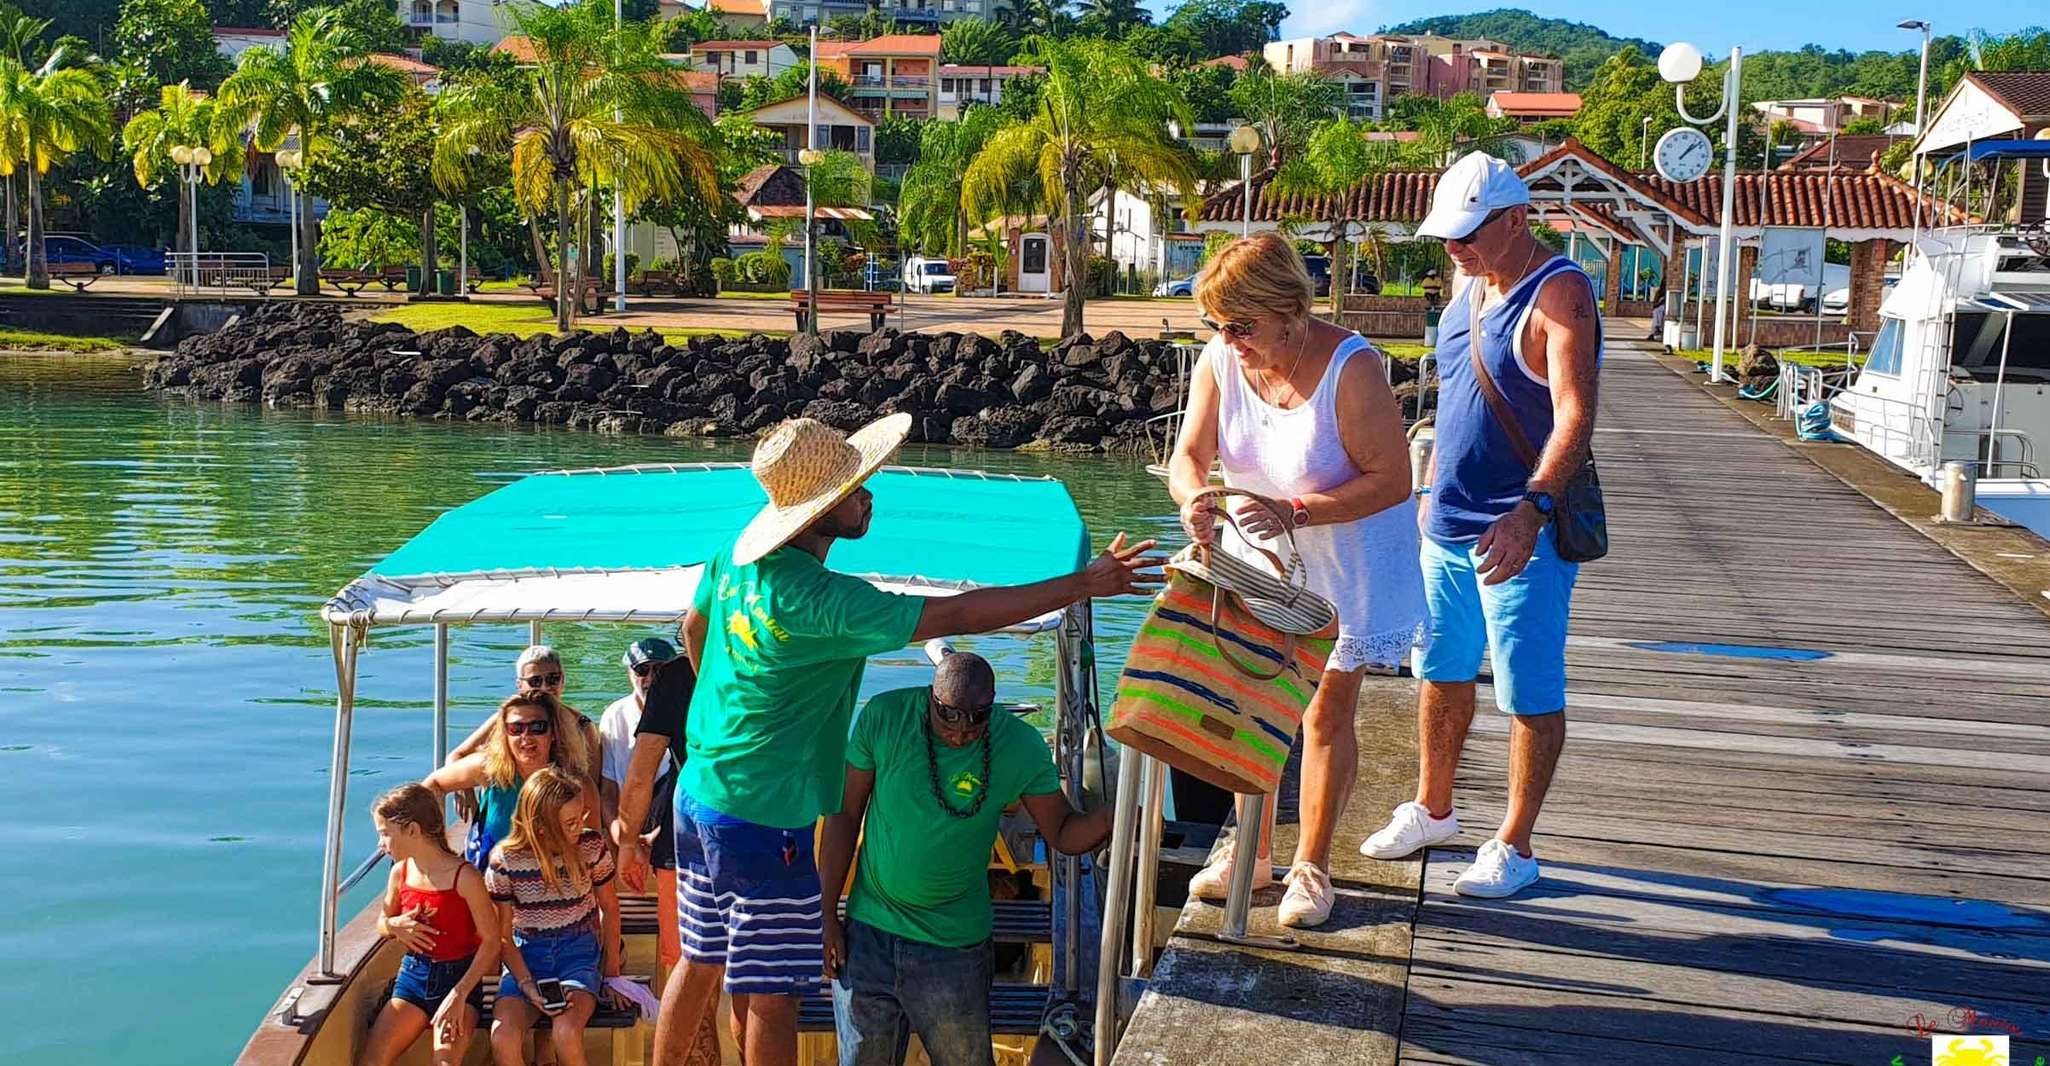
{"points": [[1580, 521]]}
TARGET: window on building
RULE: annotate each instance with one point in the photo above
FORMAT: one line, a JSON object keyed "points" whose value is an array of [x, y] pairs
{"points": [[750, 58], [862, 140], [260, 179]]}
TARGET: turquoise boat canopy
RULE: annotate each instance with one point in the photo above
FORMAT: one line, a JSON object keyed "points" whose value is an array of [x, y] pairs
{"points": [[627, 543]]}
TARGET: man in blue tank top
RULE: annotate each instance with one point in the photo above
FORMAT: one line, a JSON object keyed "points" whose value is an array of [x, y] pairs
{"points": [[1493, 578]]}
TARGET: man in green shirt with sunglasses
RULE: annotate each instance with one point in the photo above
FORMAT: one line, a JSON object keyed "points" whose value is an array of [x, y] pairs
{"points": [[936, 766]]}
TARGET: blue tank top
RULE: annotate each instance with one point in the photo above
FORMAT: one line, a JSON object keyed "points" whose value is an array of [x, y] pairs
{"points": [[1480, 477], [494, 821]]}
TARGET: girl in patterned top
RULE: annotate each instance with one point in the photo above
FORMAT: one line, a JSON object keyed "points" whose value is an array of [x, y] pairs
{"points": [[436, 907], [558, 916]]}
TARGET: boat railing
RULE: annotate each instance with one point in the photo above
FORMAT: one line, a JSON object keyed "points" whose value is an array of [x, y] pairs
{"points": [[1802, 385], [1904, 430]]}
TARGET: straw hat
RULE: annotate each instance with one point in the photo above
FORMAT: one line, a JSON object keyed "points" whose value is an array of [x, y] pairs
{"points": [[807, 468]]}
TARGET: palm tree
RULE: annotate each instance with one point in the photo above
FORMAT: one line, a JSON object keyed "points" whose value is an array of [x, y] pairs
{"points": [[1112, 18], [47, 115], [1099, 111], [976, 41], [597, 107], [930, 215], [18, 36], [1336, 160], [320, 77], [1285, 107], [1461, 125], [182, 117]]}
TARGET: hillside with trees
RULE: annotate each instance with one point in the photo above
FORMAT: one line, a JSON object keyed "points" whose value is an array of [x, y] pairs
{"points": [[1584, 48]]}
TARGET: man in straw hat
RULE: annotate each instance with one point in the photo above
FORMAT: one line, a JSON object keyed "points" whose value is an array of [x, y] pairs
{"points": [[779, 642]]}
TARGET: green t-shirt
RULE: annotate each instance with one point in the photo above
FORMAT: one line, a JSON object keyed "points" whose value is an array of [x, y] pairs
{"points": [[785, 644], [922, 872]]}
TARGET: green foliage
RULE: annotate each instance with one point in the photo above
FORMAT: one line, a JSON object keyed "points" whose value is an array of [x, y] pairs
{"points": [[375, 22], [378, 157], [1177, 44], [170, 41], [1215, 241], [976, 41], [1229, 27], [1021, 97], [2027, 49], [1285, 107], [463, 59], [369, 237], [765, 271], [1450, 128], [182, 117], [759, 91], [1868, 126], [1112, 18], [1624, 92], [92, 20], [897, 139], [1207, 89], [930, 217], [694, 25]]}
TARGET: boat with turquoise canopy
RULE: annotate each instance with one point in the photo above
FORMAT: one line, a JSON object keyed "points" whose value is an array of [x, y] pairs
{"points": [[626, 546]]}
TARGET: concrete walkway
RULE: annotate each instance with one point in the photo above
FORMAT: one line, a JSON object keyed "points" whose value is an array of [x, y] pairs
{"points": [[1801, 816]]}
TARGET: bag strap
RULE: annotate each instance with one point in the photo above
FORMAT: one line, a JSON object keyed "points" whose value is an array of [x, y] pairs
{"points": [[1288, 646], [1497, 403], [1289, 570]]}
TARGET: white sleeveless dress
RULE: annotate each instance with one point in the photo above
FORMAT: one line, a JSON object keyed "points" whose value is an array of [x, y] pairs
{"points": [[1369, 568]]}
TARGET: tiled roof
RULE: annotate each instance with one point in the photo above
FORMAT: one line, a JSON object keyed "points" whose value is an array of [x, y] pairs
{"points": [[1857, 152], [2025, 92], [405, 65], [1395, 196], [1514, 103], [738, 7], [1237, 63], [889, 44], [516, 46]]}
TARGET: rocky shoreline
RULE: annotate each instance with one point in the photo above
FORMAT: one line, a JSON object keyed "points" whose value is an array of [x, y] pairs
{"points": [[1086, 394]]}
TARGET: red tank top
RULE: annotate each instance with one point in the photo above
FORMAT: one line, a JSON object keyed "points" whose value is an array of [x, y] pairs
{"points": [[449, 913]]}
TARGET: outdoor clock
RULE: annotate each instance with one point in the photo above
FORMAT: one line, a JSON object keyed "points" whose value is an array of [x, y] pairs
{"points": [[1683, 154]]}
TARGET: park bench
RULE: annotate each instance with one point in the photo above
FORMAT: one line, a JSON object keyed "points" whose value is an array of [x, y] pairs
{"points": [[262, 282], [592, 297], [352, 282], [80, 276], [647, 281], [876, 305]]}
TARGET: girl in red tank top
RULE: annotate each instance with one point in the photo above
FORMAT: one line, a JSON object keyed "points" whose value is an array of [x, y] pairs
{"points": [[436, 907]]}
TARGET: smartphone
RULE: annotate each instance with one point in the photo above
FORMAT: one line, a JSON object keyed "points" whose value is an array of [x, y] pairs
{"points": [[552, 999]]}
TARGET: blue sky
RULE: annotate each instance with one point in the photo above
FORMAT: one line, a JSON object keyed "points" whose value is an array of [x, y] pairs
{"points": [[1854, 24]]}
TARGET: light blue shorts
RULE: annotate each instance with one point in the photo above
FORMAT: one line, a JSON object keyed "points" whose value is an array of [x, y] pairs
{"points": [[1520, 622]]}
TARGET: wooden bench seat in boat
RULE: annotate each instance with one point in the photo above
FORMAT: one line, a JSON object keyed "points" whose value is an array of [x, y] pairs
{"points": [[605, 1017]]}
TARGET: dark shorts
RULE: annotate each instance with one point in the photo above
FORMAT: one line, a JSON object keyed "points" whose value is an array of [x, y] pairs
{"points": [[747, 898], [425, 983], [892, 986]]}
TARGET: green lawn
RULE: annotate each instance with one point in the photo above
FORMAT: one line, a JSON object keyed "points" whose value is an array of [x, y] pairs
{"points": [[521, 320], [1403, 351], [736, 295], [30, 340], [1825, 360]]}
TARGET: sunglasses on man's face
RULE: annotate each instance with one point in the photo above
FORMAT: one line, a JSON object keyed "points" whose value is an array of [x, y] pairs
{"points": [[539, 680], [1230, 329], [536, 727], [1476, 231], [962, 716]]}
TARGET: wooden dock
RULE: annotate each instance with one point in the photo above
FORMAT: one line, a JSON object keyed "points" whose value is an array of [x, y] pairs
{"points": [[1821, 842]]}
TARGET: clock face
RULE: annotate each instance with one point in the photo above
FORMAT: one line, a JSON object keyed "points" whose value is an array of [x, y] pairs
{"points": [[1683, 154]]}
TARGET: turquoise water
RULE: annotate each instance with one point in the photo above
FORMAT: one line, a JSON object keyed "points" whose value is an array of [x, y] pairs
{"points": [[166, 692]]}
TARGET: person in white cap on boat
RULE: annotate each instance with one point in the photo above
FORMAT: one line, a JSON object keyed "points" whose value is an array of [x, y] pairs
{"points": [[779, 642], [1492, 573]]}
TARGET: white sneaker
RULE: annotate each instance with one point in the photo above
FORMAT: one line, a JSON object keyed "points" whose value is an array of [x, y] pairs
{"points": [[1308, 899], [1498, 871], [1410, 830], [1213, 882]]}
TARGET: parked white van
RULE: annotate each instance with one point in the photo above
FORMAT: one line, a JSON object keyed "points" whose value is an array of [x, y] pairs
{"points": [[927, 275]]}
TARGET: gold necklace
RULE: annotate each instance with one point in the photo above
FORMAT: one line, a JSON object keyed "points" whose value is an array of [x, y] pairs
{"points": [[1289, 380], [1521, 273]]}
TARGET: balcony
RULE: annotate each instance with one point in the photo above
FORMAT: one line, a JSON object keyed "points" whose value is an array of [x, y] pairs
{"points": [[423, 16]]}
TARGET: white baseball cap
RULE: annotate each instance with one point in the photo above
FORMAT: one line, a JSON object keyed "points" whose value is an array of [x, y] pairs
{"points": [[1472, 188]]}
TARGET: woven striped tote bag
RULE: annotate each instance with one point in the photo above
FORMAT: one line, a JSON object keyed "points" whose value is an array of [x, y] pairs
{"points": [[1227, 660]]}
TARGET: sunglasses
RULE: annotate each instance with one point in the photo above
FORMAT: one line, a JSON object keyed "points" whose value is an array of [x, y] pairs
{"points": [[538, 680], [1476, 231], [643, 669], [962, 716], [1230, 329], [536, 727]]}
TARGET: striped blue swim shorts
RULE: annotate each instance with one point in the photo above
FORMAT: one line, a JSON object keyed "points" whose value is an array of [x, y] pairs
{"points": [[748, 899]]}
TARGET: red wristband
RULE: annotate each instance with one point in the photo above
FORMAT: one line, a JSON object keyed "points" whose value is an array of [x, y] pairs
{"points": [[1301, 512]]}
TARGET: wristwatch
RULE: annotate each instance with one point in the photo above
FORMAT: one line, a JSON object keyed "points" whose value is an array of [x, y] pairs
{"points": [[1542, 501], [1298, 512]]}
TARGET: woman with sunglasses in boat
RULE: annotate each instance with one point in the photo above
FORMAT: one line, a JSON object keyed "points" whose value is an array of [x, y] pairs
{"points": [[532, 729], [538, 669], [1298, 412]]}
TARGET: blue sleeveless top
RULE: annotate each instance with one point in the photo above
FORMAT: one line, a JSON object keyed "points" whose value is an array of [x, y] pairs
{"points": [[494, 821], [1480, 477]]}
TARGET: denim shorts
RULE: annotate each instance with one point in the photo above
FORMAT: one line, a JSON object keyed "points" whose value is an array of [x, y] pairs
{"points": [[1520, 623], [571, 956], [424, 982]]}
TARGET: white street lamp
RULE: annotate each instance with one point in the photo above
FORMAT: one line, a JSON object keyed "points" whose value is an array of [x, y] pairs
{"points": [[1245, 140], [809, 157], [192, 163], [1921, 100], [289, 161], [618, 204], [1679, 64], [1644, 143]]}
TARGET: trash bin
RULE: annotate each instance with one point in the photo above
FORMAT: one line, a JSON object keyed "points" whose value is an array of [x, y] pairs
{"points": [[1431, 327], [413, 278], [445, 281]]}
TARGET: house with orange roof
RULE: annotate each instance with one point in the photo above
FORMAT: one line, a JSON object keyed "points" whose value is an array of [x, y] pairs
{"points": [[740, 16], [895, 74], [1528, 108]]}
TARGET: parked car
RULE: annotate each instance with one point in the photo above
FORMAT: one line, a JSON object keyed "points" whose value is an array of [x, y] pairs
{"points": [[136, 258], [1837, 301], [109, 258], [1176, 287], [928, 275], [1363, 279], [1800, 296]]}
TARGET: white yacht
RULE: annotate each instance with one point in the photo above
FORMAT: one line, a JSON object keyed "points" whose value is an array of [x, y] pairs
{"points": [[1960, 368]]}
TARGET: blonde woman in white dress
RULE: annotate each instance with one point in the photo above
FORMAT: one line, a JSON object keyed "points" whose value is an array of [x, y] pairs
{"points": [[1299, 411]]}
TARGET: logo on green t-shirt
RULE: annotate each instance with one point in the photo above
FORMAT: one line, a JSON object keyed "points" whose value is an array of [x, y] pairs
{"points": [[964, 785]]}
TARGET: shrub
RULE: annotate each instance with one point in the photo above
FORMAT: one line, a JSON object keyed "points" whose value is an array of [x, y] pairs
{"points": [[723, 273], [633, 265], [1103, 276]]}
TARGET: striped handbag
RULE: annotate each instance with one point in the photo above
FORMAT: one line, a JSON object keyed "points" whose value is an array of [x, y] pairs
{"points": [[1227, 660]]}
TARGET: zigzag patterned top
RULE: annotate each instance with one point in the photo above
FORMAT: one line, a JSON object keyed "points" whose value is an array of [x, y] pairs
{"points": [[515, 877]]}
